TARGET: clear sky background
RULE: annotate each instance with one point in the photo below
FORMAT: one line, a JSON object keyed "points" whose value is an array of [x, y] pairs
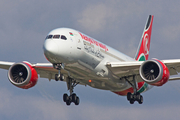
{"points": [[117, 23]]}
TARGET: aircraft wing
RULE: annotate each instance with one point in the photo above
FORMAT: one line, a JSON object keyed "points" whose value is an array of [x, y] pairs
{"points": [[122, 69], [45, 70]]}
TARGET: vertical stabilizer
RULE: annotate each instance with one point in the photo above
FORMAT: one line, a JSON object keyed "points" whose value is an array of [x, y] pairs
{"points": [[144, 45]]}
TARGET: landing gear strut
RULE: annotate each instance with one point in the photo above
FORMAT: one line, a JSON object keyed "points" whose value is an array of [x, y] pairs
{"points": [[59, 76], [136, 95], [71, 83]]}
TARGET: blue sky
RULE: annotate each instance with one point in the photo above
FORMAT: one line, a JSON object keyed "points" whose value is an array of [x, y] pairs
{"points": [[119, 24]]}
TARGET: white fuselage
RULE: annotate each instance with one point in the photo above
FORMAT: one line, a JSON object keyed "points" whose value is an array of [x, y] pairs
{"points": [[85, 58]]}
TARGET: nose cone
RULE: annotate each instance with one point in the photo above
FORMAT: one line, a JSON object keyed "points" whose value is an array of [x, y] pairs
{"points": [[50, 49]]}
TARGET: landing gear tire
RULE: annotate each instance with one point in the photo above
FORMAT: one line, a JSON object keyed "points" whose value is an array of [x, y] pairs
{"points": [[131, 101], [129, 96], [141, 99], [72, 98], [68, 102], [59, 77], [62, 77], [56, 77], [65, 97], [77, 101], [138, 97], [134, 97]]}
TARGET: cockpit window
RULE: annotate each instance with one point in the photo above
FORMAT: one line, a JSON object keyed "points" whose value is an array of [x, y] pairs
{"points": [[56, 36], [63, 37], [49, 36]]}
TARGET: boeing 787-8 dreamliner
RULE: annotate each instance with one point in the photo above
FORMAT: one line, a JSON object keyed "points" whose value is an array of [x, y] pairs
{"points": [[76, 58]]}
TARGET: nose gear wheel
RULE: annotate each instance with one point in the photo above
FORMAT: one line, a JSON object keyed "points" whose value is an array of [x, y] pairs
{"points": [[59, 76]]}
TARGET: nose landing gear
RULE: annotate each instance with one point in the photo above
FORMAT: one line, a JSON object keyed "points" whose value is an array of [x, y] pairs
{"points": [[59, 76]]}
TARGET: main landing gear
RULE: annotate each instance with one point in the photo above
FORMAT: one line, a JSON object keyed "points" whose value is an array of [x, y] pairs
{"points": [[71, 83], [136, 96]]}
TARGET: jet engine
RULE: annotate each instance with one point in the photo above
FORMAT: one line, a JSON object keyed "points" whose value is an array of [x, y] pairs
{"points": [[22, 75], [154, 72]]}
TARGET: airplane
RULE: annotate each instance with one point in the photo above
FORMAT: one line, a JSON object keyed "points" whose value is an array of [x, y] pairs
{"points": [[78, 59]]}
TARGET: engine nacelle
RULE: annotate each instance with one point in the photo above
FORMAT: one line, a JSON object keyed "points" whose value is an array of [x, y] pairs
{"points": [[22, 75], [154, 72]]}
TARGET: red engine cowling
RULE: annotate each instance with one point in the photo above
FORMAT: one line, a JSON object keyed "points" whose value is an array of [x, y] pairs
{"points": [[22, 75], [154, 72]]}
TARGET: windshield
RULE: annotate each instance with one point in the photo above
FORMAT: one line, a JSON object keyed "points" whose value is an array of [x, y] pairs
{"points": [[63, 37]]}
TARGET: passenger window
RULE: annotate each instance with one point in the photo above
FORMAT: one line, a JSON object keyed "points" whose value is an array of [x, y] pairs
{"points": [[56, 36], [63, 37]]}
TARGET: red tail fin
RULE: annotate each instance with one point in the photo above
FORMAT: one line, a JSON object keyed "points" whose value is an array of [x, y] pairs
{"points": [[144, 45]]}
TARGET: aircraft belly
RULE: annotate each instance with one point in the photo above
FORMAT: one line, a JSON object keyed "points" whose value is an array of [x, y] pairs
{"points": [[86, 76]]}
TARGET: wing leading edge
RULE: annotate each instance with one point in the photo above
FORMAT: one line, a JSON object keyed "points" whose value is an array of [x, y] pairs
{"points": [[5, 65]]}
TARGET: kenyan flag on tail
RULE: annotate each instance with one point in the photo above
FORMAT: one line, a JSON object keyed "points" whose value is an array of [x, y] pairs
{"points": [[144, 45]]}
